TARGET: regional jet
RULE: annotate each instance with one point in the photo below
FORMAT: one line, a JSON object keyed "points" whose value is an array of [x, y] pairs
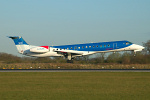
{"points": [[74, 50]]}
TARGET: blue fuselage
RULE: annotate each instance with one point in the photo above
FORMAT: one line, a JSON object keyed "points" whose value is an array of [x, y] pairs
{"points": [[100, 46]]}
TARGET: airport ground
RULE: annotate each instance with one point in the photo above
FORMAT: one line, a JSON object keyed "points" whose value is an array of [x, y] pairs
{"points": [[74, 85]]}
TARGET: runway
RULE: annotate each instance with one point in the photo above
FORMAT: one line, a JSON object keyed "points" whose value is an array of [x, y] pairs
{"points": [[74, 70]]}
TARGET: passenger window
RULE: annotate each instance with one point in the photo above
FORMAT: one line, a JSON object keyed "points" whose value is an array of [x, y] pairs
{"points": [[93, 46], [86, 46], [100, 45], [108, 45], [82, 46], [67, 48], [75, 47], [97, 46], [89, 46], [78, 47], [104, 45], [71, 47]]}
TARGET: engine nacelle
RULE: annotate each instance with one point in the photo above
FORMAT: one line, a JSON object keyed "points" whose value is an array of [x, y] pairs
{"points": [[41, 49]]}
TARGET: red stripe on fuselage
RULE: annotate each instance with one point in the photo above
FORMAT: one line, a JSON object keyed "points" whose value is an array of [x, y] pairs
{"points": [[47, 47], [109, 48]]}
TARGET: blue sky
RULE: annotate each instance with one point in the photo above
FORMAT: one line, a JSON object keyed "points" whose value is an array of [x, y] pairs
{"points": [[58, 22]]}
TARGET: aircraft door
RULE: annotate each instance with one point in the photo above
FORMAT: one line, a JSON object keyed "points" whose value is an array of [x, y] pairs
{"points": [[115, 46]]}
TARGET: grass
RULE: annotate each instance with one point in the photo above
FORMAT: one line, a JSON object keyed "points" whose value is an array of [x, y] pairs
{"points": [[74, 86], [71, 66]]}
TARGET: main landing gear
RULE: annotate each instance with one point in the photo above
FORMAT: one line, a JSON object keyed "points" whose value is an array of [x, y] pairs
{"points": [[69, 58]]}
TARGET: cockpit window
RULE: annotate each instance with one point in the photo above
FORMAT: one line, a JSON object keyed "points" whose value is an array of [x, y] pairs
{"points": [[128, 43]]}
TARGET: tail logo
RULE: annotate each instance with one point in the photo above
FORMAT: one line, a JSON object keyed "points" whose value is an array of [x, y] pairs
{"points": [[20, 43]]}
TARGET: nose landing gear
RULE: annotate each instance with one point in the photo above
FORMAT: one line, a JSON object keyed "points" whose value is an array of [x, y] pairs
{"points": [[134, 53]]}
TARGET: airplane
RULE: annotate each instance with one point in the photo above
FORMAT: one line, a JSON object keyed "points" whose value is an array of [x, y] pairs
{"points": [[74, 50]]}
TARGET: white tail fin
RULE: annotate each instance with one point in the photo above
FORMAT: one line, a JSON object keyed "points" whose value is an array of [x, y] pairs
{"points": [[20, 43]]}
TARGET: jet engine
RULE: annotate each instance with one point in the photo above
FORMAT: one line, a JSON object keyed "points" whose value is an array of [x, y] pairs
{"points": [[41, 49]]}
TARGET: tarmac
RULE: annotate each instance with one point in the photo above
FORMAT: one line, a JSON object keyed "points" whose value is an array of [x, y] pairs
{"points": [[74, 70]]}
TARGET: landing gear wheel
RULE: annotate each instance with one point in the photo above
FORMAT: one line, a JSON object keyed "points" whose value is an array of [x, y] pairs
{"points": [[69, 61]]}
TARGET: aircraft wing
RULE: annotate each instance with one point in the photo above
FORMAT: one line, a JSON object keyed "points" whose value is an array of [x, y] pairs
{"points": [[67, 52]]}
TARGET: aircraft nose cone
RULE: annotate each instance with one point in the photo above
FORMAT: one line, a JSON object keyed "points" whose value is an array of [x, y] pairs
{"points": [[142, 47], [138, 47]]}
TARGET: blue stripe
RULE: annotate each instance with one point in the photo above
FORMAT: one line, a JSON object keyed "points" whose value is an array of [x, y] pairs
{"points": [[100, 46]]}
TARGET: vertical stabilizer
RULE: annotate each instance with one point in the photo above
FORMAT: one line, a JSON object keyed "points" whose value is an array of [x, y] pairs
{"points": [[20, 43]]}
